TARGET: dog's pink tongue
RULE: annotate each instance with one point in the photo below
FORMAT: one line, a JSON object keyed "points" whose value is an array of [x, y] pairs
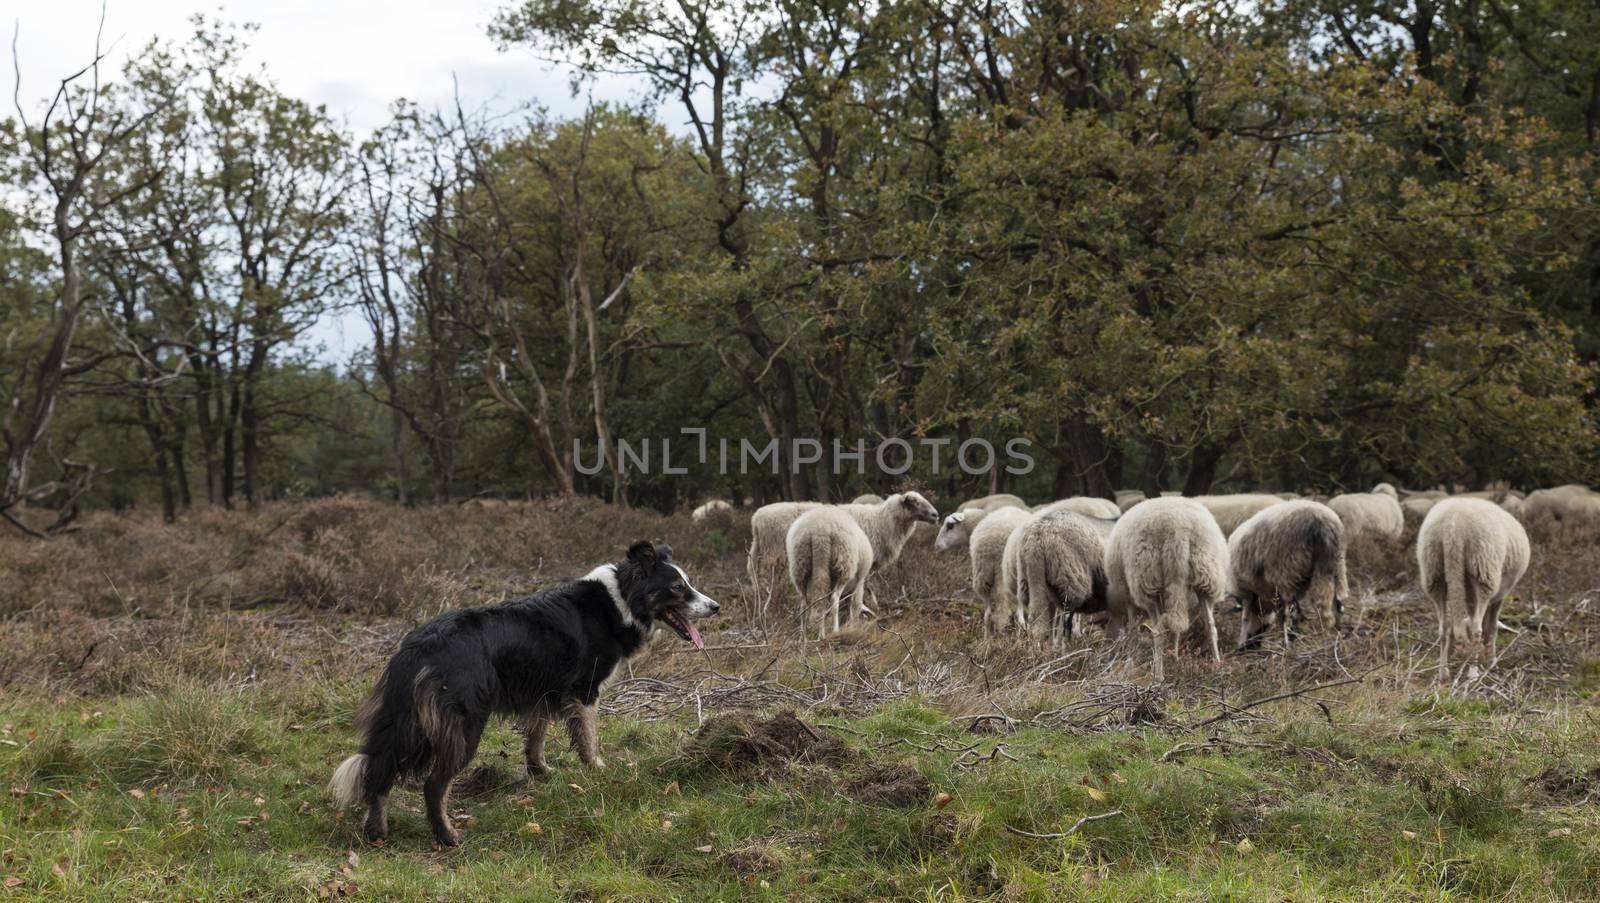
{"points": [[694, 635]]}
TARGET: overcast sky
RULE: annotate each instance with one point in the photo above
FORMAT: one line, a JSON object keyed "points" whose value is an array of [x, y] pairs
{"points": [[353, 56]]}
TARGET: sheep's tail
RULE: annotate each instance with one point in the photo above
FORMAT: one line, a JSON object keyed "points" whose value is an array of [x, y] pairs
{"points": [[1173, 592], [1327, 582], [348, 780]]}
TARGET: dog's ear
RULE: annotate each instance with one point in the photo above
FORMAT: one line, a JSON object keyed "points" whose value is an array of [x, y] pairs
{"points": [[643, 554], [664, 552]]}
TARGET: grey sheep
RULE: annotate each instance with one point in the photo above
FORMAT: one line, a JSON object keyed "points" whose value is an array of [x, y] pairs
{"points": [[1165, 558], [1054, 569], [1471, 553], [1283, 556]]}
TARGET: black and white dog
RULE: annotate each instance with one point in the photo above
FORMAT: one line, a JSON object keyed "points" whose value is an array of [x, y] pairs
{"points": [[534, 658]]}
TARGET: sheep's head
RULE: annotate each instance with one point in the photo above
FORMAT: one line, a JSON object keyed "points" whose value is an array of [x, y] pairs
{"points": [[951, 532], [915, 507], [1385, 489]]}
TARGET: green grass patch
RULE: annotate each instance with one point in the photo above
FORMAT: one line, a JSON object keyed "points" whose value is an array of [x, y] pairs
{"points": [[192, 794]]}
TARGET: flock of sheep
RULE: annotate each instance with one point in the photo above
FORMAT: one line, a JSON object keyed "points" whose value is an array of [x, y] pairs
{"points": [[1164, 562]]}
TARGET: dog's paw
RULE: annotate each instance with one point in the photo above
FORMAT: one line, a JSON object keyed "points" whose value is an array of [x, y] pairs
{"points": [[444, 840], [598, 763], [539, 770]]}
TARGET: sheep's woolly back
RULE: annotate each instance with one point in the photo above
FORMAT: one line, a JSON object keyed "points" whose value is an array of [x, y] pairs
{"points": [[1503, 497], [868, 499], [1127, 498], [1232, 510], [1294, 551], [711, 508], [1374, 514], [987, 548], [1562, 503], [1055, 563], [829, 554], [992, 502], [1416, 507], [890, 523], [1164, 559], [1086, 505], [769, 528], [1469, 551]]}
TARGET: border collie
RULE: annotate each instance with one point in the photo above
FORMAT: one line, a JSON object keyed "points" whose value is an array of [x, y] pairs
{"points": [[534, 658]]}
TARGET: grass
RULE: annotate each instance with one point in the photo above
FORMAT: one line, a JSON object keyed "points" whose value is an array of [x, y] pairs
{"points": [[174, 746], [179, 796]]}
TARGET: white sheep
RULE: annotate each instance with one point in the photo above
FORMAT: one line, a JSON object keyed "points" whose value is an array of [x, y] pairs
{"points": [[1471, 553], [1232, 510], [868, 499], [830, 557], [1127, 498], [991, 502], [1053, 569], [1569, 502], [889, 523], [1376, 514], [1283, 556], [957, 528], [1165, 558], [987, 547], [1505, 498], [1086, 505], [769, 531], [713, 508]]}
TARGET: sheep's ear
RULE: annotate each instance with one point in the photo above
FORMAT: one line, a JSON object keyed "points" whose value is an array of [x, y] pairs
{"points": [[956, 518], [643, 554], [909, 500], [664, 552]]}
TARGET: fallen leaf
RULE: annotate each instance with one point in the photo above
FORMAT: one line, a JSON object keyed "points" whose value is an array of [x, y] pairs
{"points": [[58, 870], [1246, 846], [942, 800], [1095, 793], [1409, 835], [1560, 832], [705, 849], [353, 858], [12, 881], [136, 793], [530, 829]]}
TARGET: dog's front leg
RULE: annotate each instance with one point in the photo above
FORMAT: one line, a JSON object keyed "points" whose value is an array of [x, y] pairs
{"points": [[585, 733]]}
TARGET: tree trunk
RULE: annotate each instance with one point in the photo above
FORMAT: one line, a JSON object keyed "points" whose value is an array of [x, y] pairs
{"points": [[1202, 470]]}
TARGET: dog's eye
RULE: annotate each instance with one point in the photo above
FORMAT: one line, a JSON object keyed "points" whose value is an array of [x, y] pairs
{"points": [[679, 587]]}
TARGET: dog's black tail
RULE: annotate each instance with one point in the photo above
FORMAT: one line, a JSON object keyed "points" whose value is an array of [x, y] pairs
{"points": [[404, 726]]}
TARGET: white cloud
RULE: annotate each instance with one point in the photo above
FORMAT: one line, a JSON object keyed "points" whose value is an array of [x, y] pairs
{"points": [[354, 56]]}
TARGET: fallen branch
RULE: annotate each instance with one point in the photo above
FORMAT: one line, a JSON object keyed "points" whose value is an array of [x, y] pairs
{"points": [[1237, 710], [1068, 832]]}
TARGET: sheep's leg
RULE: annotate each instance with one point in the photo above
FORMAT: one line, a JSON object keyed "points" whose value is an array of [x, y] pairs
{"points": [[1444, 642], [858, 604], [1491, 625], [1211, 629], [1156, 671], [834, 603]]}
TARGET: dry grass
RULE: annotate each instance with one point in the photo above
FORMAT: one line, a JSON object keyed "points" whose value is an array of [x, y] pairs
{"points": [[323, 588]]}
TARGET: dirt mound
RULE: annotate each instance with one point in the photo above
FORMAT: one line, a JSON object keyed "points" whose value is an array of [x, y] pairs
{"points": [[737, 743], [891, 785], [1565, 785], [483, 781]]}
